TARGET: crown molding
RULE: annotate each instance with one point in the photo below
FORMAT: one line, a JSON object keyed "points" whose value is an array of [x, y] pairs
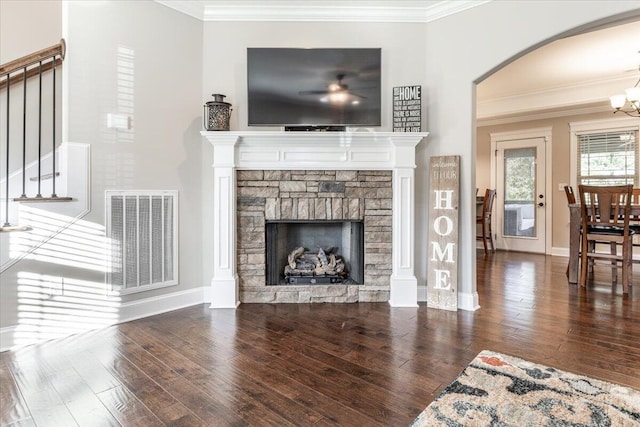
{"points": [[543, 115], [321, 11], [564, 100], [193, 8]]}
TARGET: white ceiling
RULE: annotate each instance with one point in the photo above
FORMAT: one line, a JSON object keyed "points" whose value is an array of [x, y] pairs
{"points": [[573, 72], [588, 57], [577, 73]]}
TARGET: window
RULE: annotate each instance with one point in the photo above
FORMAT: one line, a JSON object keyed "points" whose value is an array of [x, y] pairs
{"points": [[605, 153], [142, 230]]}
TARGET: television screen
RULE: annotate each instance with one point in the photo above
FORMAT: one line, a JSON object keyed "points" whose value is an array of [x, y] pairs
{"points": [[314, 87]]}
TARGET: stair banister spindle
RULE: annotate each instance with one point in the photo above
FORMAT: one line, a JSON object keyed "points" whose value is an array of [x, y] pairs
{"points": [[6, 199], [53, 139], [30, 66], [24, 134], [39, 195]]}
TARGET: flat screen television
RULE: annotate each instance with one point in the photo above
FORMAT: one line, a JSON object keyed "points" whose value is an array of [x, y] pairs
{"points": [[319, 87]]}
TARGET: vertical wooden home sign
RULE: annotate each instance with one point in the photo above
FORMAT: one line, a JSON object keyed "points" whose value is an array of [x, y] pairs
{"points": [[444, 187]]}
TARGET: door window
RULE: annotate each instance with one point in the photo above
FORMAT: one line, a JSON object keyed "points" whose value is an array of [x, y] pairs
{"points": [[520, 192]]}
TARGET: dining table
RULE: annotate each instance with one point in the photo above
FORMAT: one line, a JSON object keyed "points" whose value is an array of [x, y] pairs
{"points": [[574, 238]]}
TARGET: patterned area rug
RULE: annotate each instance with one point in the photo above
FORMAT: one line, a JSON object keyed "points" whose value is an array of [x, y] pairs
{"points": [[500, 391]]}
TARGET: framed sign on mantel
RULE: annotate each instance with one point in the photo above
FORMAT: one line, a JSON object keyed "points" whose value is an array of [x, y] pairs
{"points": [[407, 109]]}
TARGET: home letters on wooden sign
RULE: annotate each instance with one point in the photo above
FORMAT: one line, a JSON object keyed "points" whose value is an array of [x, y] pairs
{"points": [[442, 285]]}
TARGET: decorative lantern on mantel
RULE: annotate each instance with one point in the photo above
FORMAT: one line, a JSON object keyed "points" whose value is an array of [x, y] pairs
{"points": [[217, 113]]}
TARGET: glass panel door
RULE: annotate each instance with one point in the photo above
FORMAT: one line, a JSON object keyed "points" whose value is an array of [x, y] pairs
{"points": [[520, 197]]}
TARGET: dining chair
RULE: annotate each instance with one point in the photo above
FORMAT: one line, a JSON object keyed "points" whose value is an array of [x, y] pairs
{"points": [[571, 199], [571, 196], [484, 220], [634, 224], [635, 200], [605, 212]]}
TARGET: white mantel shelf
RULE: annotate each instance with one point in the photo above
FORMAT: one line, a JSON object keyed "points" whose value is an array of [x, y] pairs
{"points": [[314, 150], [274, 150]]}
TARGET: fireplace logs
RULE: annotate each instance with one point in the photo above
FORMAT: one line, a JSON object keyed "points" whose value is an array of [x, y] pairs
{"points": [[309, 267]]}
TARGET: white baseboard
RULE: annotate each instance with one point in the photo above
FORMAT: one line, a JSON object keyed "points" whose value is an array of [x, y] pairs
{"points": [[422, 293], [6, 337], [468, 301], [560, 252], [160, 304], [128, 311]]}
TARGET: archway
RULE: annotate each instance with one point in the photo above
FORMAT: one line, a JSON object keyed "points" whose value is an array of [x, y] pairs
{"points": [[552, 106]]}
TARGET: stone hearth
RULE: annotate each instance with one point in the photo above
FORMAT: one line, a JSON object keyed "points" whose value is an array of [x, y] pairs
{"points": [[382, 157]]}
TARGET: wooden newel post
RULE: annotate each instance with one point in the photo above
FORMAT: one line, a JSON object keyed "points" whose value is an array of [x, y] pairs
{"points": [[444, 188]]}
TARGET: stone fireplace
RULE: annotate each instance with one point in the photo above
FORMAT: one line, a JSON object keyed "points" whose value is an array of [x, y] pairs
{"points": [[304, 200], [265, 178]]}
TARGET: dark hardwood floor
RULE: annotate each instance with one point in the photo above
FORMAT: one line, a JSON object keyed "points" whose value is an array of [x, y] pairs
{"points": [[320, 364]]}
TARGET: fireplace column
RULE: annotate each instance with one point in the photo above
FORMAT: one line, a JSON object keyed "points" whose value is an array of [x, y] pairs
{"points": [[404, 285], [224, 284]]}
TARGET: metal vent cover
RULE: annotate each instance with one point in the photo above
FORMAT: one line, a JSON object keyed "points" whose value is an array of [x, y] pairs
{"points": [[142, 240]]}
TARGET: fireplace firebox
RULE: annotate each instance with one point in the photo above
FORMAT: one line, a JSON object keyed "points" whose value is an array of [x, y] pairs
{"points": [[314, 252]]}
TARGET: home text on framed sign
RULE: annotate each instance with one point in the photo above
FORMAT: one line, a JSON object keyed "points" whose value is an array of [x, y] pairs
{"points": [[444, 188], [407, 109]]}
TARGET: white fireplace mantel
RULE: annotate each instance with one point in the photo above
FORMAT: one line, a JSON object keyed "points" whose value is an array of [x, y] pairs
{"points": [[271, 150]]}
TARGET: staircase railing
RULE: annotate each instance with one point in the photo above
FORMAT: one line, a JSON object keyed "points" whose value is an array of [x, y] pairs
{"points": [[12, 73]]}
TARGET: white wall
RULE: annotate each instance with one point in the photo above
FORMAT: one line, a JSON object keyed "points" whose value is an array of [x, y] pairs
{"points": [[28, 26], [163, 149], [460, 49], [225, 55]]}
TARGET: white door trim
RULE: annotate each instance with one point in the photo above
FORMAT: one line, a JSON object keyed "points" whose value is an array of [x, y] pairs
{"points": [[544, 133]]}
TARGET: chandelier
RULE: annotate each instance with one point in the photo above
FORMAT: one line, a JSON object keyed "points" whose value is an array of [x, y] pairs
{"points": [[632, 96]]}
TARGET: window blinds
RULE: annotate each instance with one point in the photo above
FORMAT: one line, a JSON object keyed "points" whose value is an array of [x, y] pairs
{"points": [[608, 158]]}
